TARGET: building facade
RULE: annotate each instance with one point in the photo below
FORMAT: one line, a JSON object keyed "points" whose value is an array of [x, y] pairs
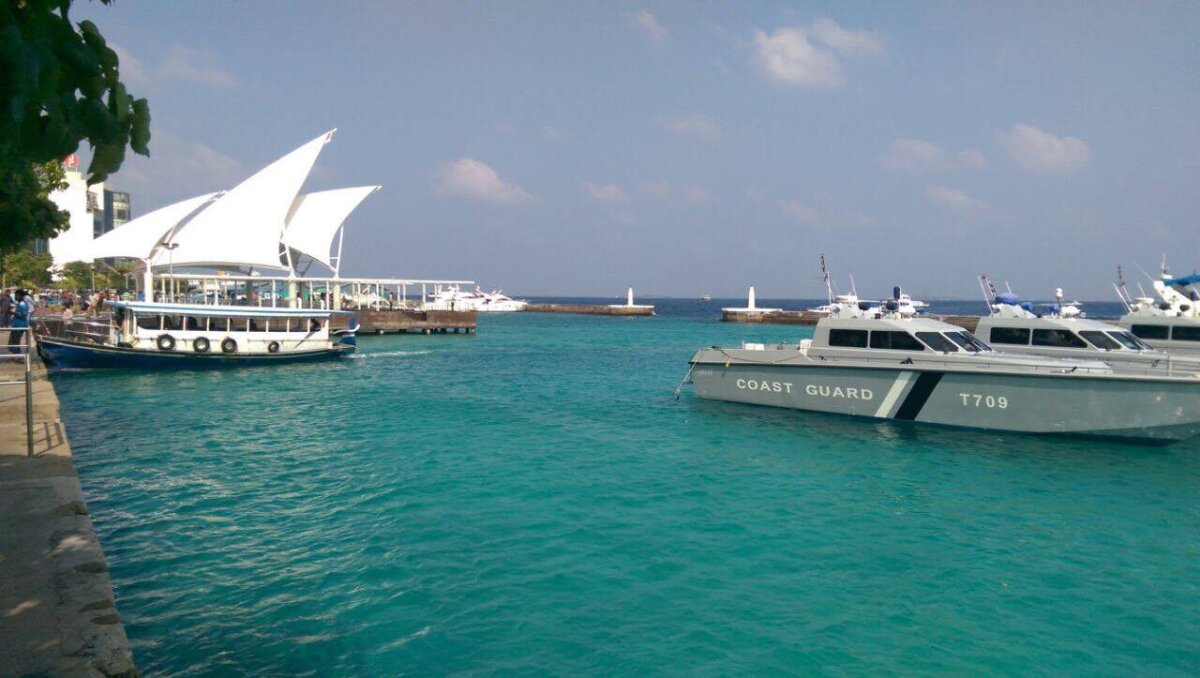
{"points": [[94, 210]]}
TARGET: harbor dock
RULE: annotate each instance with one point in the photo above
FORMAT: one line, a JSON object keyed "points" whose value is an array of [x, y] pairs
{"points": [[627, 309], [590, 309], [414, 321], [781, 317], [57, 611]]}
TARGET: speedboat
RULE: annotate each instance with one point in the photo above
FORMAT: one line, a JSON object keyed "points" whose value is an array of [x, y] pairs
{"points": [[1063, 330], [884, 365], [154, 334]]}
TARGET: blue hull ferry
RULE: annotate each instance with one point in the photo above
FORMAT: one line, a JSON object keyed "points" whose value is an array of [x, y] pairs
{"points": [[143, 335]]}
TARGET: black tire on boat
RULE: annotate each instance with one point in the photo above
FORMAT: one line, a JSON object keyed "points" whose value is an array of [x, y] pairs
{"points": [[200, 345], [273, 347], [166, 342], [229, 345]]}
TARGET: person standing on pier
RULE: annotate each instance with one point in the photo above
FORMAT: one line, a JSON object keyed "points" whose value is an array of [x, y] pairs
{"points": [[20, 322], [6, 308]]}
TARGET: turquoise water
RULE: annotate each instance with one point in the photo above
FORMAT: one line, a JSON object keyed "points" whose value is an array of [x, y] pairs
{"points": [[532, 500]]}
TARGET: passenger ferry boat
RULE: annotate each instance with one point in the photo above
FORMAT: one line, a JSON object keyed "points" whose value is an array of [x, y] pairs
{"points": [[887, 366], [1064, 331], [145, 334]]}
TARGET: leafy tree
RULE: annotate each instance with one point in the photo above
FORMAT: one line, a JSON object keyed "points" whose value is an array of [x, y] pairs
{"points": [[58, 87], [26, 269], [76, 276]]}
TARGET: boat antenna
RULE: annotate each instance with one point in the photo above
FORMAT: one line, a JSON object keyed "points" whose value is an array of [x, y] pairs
{"points": [[1123, 291], [853, 289], [1008, 287], [985, 284], [828, 284]]}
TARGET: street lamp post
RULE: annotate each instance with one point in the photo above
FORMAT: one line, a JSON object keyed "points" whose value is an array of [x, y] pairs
{"points": [[171, 266]]}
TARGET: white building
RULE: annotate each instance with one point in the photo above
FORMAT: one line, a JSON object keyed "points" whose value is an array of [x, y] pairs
{"points": [[94, 211]]}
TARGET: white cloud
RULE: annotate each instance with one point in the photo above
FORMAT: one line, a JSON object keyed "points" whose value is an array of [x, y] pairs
{"points": [[177, 168], [801, 211], [182, 64], [470, 178], [971, 159], [661, 191], [955, 200], [788, 55], [646, 21], [917, 156], [192, 65], [856, 43], [825, 216], [1037, 151], [607, 193], [754, 196], [693, 125]]}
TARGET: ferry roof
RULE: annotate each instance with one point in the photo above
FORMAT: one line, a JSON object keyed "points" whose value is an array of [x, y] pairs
{"points": [[911, 324], [198, 309]]}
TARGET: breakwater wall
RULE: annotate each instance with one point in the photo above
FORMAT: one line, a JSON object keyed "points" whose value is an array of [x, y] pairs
{"points": [[590, 309], [404, 320], [58, 616], [967, 322]]}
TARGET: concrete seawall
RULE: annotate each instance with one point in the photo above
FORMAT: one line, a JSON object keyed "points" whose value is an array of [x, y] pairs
{"points": [[590, 309], [57, 612]]}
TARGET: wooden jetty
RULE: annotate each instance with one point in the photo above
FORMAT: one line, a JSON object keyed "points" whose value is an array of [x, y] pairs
{"points": [[590, 309]]}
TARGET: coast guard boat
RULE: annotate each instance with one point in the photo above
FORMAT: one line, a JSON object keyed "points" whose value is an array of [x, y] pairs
{"points": [[1062, 330], [141, 334], [887, 366], [1172, 321]]}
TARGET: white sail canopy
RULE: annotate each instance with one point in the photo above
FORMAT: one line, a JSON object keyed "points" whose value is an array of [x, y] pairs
{"points": [[243, 228], [138, 238], [316, 218]]}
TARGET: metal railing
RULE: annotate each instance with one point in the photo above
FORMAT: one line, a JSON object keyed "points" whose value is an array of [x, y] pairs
{"points": [[24, 352]]}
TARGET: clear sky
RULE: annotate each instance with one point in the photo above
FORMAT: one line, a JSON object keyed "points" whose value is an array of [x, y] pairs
{"points": [[687, 148]]}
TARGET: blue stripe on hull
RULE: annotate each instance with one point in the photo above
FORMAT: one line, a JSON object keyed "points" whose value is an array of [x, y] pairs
{"points": [[71, 355]]}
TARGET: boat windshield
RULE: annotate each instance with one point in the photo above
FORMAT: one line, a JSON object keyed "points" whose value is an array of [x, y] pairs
{"points": [[967, 341], [937, 342], [1130, 341], [1099, 339]]}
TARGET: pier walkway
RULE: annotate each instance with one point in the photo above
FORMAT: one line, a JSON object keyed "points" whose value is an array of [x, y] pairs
{"points": [[57, 612]]}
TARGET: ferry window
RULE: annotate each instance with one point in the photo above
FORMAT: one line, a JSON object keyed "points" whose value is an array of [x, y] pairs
{"points": [[1151, 331], [171, 322], [190, 323], [1129, 337], [1057, 339], [258, 324], [1185, 333], [937, 342], [1099, 339], [149, 322], [849, 338], [969, 342], [896, 341], [1010, 335]]}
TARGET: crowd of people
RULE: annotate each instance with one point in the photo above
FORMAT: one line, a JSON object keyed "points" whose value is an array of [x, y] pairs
{"points": [[18, 307]]}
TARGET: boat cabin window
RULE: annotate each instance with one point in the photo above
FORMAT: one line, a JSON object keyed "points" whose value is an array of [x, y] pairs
{"points": [[1185, 333], [171, 322], [1128, 340], [1057, 339], [1099, 339], [896, 341], [259, 324], [149, 322], [218, 324], [967, 341], [1010, 335], [190, 323], [848, 338], [937, 342], [1151, 331]]}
